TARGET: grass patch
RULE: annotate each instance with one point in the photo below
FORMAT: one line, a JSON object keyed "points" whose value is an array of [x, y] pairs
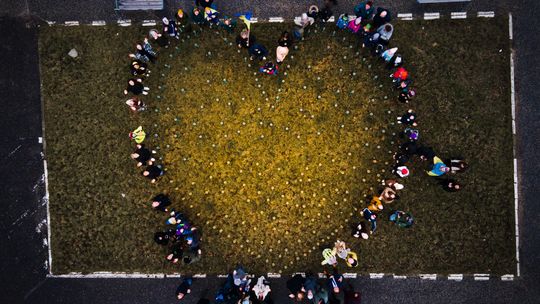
{"points": [[270, 172]]}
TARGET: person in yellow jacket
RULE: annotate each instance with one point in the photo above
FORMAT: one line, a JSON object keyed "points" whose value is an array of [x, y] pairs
{"points": [[138, 135]]}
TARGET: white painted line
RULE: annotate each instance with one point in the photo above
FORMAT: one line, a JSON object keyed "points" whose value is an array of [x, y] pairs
{"points": [[507, 277], [510, 27], [126, 22], [455, 277], [254, 20], [99, 23], [174, 275], [376, 275], [514, 131], [489, 14], [200, 275], [399, 277], [149, 23], [71, 23], [431, 16], [481, 277], [458, 15], [276, 19], [407, 16], [273, 275], [428, 276], [46, 173], [348, 275], [51, 22], [300, 273], [222, 275]]}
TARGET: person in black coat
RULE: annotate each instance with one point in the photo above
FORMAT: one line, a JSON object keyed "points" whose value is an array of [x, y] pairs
{"points": [[152, 172], [381, 17], [184, 288], [285, 40], [204, 3], [161, 202], [142, 155], [245, 39], [296, 287], [138, 68], [258, 51], [136, 87]]}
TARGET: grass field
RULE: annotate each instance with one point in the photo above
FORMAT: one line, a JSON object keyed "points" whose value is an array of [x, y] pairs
{"points": [[275, 168]]}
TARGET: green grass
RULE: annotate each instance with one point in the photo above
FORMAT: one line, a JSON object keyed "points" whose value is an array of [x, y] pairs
{"points": [[273, 178]]}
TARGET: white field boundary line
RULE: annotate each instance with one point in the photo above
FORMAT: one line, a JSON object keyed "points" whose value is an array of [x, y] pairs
{"points": [[149, 23], [373, 276], [431, 16], [431, 277], [125, 22], [489, 14], [401, 16], [407, 16], [458, 15], [507, 277], [71, 23], [276, 19], [43, 143], [455, 277], [481, 277], [514, 132], [46, 172]]}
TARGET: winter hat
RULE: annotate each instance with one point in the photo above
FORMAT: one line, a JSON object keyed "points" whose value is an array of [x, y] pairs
{"points": [[165, 21], [153, 33], [398, 60], [180, 12], [402, 171], [189, 239]]}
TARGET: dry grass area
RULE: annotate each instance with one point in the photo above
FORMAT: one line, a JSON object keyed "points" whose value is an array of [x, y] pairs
{"points": [[274, 168]]}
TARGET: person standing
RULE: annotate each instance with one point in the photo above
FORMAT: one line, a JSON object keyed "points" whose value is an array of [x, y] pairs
{"points": [[296, 287], [184, 288]]}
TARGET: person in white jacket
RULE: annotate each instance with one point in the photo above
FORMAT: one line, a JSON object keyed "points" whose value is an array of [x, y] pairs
{"points": [[281, 53], [261, 289]]}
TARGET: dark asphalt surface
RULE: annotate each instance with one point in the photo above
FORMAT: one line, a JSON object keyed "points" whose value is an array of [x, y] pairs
{"points": [[22, 252], [23, 256]]}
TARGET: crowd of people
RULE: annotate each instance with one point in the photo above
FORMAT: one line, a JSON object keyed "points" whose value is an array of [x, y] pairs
{"points": [[373, 28]]}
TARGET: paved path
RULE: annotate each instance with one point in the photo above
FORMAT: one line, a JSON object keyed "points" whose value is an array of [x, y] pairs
{"points": [[23, 256]]}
